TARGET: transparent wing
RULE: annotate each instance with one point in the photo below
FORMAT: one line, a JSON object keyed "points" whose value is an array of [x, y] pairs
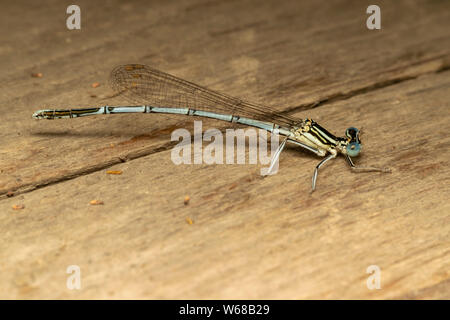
{"points": [[147, 86]]}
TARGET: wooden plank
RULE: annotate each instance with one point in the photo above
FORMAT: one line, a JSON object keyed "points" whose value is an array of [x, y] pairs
{"points": [[252, 237], [287, 54]]}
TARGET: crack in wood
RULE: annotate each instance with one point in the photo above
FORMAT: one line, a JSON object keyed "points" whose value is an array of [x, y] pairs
{"points": [[364, 90], [85, 171]]}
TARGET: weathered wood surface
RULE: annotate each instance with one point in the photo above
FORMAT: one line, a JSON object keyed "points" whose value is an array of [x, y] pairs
{"points": [[251, 237]]}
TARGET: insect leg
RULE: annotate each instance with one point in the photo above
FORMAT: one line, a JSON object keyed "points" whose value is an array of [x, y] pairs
{"points": [[365, 169], [316, 170], [276, 155], [315, 150]]}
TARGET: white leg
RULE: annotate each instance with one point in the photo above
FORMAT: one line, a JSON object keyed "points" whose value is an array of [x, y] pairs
{"points": [[276, 156], [316, 170]]}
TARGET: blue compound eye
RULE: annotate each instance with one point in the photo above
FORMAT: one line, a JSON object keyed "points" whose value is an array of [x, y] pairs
{"points": [[353, 149], [352, 133]]}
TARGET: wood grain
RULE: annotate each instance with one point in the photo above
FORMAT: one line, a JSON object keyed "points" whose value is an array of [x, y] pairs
{"points": [[250, 237]]}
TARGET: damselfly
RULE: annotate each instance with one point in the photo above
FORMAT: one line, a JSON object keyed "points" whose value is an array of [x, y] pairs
{"points": [[159, 92]]}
